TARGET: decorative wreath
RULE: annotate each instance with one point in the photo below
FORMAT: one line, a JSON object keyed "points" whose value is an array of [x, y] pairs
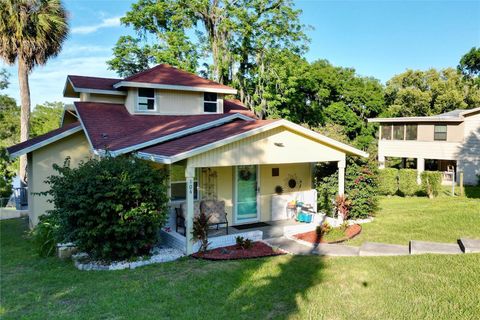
{"points": [[292, 182], [245, 174]]}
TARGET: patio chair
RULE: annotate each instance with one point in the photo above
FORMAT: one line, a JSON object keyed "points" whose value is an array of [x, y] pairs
{"points": [[216, 211]]}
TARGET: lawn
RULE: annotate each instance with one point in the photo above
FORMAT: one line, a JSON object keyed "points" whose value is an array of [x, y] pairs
{"points": [[286, 287], [440, 219]]}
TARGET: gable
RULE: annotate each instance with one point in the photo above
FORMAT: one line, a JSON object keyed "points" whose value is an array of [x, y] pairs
{"points": [[278, 145]]}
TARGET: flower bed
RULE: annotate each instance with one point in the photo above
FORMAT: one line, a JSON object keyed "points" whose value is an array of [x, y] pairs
{"points": [[312, 236], [258, 249]]}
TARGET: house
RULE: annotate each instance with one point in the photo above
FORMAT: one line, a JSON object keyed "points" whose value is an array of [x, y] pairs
{"points": [[448, 142], [214, 147]]}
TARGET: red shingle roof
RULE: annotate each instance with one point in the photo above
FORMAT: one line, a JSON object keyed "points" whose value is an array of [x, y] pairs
{"points": [[205, 137], [48, 135], [93, 82], [166, 74], [112, 127], [235, 106]]}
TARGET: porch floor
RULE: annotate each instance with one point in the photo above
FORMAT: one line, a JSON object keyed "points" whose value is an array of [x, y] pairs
{"points": [[273, 230]]}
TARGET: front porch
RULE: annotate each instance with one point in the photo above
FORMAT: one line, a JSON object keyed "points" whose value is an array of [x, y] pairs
{"points": [[220, 238]]}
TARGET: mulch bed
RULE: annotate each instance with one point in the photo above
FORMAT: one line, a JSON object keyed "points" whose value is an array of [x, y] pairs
{"points": [[312, 237], [258, 249]]}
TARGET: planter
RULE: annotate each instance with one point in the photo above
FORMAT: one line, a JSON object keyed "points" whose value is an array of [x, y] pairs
{"points": [[312, 237]]}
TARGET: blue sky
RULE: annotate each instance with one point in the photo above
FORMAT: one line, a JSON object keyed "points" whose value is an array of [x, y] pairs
{"points": [[377, 38]]}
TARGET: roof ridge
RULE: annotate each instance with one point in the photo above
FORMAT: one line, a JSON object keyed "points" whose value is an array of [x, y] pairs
{"points": [[76, 75]]}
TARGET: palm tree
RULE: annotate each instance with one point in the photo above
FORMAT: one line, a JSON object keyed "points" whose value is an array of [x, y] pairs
{"points": [[31, 32]]}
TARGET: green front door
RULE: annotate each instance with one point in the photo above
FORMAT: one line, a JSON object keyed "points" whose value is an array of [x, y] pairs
{"points": [[246, 187]]}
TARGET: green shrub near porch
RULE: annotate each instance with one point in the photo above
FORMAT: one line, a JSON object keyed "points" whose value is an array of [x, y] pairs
{"points": [[388, 181], [407, 182], [111, 208], [431, 183]]}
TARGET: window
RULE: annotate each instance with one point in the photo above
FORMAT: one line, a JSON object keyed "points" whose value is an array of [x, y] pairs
{"points": [[411, 132], [398, 132], [209, 102], [440, 133], [146, 99], [387, 132], [178, 183]]}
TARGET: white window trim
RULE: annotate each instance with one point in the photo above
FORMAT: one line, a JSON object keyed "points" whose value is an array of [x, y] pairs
{"points": [[137, 101], [212, 102]]}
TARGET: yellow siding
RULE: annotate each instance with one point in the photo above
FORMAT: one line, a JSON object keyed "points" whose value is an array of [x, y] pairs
{"points": [[225, 185], [108, 98], [264, 148], [173, 102], [75, 146], [303, 173]]}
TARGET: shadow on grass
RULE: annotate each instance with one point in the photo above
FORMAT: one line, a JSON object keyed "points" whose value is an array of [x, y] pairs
{"points": [[472, 192], [264, 288]]}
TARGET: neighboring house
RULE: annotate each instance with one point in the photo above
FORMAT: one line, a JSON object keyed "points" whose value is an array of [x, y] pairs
{"points": [[448, 142], [215, 147]]}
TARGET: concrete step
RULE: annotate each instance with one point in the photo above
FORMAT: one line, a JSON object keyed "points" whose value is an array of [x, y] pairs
{"points": [[383, 249], [421, 247], [469, 245]]}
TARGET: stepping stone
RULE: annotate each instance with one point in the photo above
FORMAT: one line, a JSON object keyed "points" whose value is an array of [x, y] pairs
{"points": [[420, 247], [383, 249], [470, 245], [290, 246]]}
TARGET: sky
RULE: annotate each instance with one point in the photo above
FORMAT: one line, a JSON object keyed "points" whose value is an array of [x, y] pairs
{"points": [[377, 38]]}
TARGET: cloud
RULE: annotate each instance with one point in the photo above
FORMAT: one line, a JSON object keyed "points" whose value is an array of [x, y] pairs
{"points": [[106, 23]]}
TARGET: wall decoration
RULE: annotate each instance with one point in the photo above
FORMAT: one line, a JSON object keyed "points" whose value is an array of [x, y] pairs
{"points": [[292, 182], [245, 173], [275, 172], [278, 189]]}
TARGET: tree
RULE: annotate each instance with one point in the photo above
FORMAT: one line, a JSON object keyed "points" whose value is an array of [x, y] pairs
{"points": [[31, 32], [425, 93], [232, 38], [470, 63], [4, 75], [46, 117]]}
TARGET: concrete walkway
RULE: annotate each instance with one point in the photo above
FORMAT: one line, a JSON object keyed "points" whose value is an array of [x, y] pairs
{"points": [[299, 247]]}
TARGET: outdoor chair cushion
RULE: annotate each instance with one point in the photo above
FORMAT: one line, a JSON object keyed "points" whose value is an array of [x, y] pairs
{"points": [[196, 209], [214, 209]]}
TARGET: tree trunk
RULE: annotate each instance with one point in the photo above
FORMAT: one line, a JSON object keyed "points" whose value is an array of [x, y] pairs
{"points": [[24, 114]]}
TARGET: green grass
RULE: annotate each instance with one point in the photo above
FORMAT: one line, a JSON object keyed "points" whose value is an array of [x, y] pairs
{"points": [[442, 219], [286, 287]]}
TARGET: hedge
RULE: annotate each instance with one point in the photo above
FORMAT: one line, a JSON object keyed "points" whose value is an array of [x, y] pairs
{"points": [[388, 181], [407, 182], [431, 183]]}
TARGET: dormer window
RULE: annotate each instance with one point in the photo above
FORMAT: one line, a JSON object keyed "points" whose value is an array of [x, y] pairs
{"points": [[210, 104], [146, 99]]}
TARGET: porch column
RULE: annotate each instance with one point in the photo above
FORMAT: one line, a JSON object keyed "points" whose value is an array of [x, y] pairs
{"points": [[189, 177], [420, 169], [341, 177]]}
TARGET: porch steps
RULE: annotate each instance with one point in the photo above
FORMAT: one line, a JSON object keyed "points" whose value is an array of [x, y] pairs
{"points": [[469, 245], [421, 247], [383, 249]]}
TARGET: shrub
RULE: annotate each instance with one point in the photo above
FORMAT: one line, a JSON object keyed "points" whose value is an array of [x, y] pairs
{"points": [[407, 182], [45, 236], [431, 183], [388, 181], [111, 208], [361, 187], [342, 206], [200, 230], [243, 243], [323, 229]]}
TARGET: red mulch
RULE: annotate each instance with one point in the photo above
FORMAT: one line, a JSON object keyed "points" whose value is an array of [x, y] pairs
{"points": [[311, 236], [258, 249]]}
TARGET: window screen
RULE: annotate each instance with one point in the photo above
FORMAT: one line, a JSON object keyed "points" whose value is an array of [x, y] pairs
{"points": [[411, 131], [146, 99], [440, 133], [386, 132], [209, 102]]}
